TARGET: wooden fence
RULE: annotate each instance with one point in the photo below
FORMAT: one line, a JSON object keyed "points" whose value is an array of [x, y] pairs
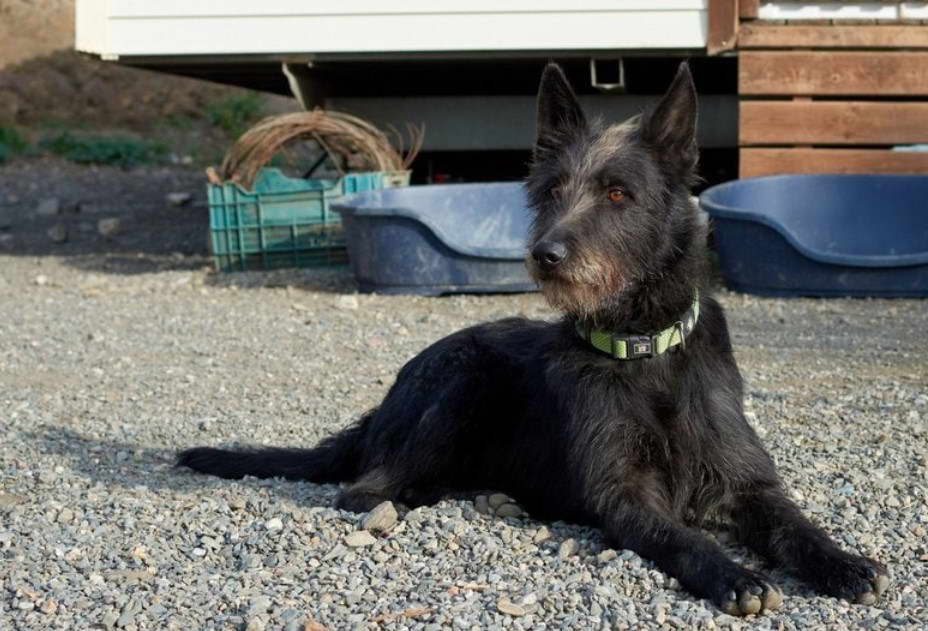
{"points": [[829, 96]]}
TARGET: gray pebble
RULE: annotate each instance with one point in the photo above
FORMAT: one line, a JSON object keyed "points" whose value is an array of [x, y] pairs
{"points": [[542, 534], [109, 619], [568, 548], [607, 555], [508, 607], [58, 233], [481, 505], [48, 207], [256, 624], [125, 619], [360, 538], [109, 226], [178, 199], [497, 499], [259, 605], [509, 510], [381, 519], [294, 625]]}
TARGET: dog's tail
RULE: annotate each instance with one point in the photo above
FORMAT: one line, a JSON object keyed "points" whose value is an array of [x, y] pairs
{"points": [[335, 459]]}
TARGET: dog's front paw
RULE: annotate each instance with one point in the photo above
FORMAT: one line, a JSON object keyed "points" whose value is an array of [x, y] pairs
{"points": [[749, 593], [854, 578], [498, 504]]}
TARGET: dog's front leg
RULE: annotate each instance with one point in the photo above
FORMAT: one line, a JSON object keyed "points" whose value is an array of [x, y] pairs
{"points": [[699, 564], [772, 524]]}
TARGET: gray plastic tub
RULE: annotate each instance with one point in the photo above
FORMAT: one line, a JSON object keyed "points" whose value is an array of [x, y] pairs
{"points": [[823, 235], [438, 239]]}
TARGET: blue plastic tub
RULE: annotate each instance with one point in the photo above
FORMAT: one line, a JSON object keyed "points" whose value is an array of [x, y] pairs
{"points": [[438, 239], [822, 235]]}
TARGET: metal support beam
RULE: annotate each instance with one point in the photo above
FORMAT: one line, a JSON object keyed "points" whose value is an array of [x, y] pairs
{"points": [[474, 123]]}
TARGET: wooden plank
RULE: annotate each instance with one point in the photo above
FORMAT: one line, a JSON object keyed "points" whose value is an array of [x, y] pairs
{"points": [[747, 9], [756, 161], [723, 26], [760, 35], [833, 73], [832, 123]]}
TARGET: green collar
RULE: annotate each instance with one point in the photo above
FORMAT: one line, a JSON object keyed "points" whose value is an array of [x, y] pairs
{"points": [[623, 346]]}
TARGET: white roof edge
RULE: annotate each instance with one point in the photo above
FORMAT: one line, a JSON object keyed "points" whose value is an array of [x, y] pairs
{"points": [[233, 27]]}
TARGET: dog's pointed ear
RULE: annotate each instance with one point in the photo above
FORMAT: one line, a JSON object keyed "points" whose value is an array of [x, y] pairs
{"points": [[671, 125], [559, 112]]}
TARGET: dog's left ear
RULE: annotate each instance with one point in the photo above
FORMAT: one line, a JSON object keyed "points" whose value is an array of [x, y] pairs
{"points": [[671, 125]]}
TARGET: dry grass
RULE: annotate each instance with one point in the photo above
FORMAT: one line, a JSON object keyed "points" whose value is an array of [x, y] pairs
{"points": [[352, 143]]}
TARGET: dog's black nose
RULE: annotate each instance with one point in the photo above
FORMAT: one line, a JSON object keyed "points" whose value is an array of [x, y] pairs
{"points": [[548, 254]]}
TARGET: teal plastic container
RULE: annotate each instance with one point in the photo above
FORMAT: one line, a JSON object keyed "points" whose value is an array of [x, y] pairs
{"points": [[284, 222]]}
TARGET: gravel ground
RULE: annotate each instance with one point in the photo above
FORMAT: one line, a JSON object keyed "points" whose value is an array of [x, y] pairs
{"points": [[107, 368]]}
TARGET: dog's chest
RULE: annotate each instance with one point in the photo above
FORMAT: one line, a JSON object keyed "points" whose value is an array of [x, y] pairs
{"points": [[637, 416]]}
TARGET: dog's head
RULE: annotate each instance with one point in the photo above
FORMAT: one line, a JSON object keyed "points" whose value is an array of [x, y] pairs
{"points": [[608, 199]]}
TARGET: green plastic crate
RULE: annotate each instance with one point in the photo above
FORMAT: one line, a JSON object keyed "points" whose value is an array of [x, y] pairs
{"points": [[284, 222]]}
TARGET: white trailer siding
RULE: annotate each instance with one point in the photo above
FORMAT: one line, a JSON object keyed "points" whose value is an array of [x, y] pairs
{"points": [[142, 28]]}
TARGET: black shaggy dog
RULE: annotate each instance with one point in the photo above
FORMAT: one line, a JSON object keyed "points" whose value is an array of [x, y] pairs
{"points": [[627, 413]]}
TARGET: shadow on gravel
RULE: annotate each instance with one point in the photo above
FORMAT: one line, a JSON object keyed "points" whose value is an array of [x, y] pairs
{"points": [[146, 238], [124, 465], [116, 221], [149, 237], [103, 218], [330, 280]]}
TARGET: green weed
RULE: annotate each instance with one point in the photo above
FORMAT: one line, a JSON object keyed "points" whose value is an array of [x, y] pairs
{"points": [[182, 122], [234, 114], [11, 142], [120, 151]]}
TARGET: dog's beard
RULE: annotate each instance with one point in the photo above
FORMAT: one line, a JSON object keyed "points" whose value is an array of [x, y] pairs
{"points": [[581, 289]]}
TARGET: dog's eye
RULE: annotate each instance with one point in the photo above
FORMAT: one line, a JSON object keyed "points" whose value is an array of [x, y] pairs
{"points": [[616, 194]]}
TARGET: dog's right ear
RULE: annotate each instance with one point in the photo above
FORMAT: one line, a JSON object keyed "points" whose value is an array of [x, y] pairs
{"points": [[559, 113], [670, 126]]}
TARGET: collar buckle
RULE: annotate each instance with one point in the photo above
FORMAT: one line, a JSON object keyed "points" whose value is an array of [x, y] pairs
{"points": [[639, 346]]}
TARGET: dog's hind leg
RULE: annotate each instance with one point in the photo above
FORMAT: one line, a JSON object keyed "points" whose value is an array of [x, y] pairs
{"points": [[427, 435], [372, 488], [770, 523], [699, 564], [419, 467]]}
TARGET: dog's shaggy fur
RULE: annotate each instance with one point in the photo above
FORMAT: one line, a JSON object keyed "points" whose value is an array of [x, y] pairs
{"points": [[645, 449]]}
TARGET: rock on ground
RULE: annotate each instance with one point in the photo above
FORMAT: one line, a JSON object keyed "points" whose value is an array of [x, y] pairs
{"points": [[381, 519]]}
